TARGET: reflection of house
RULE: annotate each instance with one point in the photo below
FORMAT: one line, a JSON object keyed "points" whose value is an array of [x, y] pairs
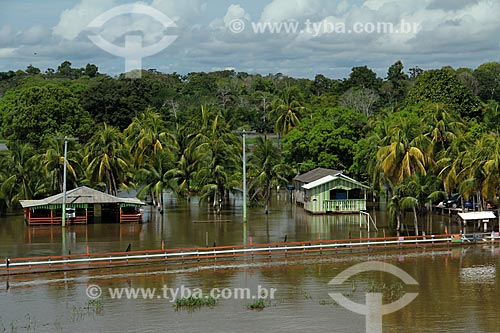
{"points": [[323, 191], [83, 204]]}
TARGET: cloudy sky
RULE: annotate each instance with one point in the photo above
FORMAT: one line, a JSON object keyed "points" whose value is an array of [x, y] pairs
{"points": [[323, 36]]}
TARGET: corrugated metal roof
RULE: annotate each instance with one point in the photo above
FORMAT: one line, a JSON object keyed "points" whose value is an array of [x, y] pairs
{"points": [[477, 216], [316, 174], [328, 179], [81, 195]]}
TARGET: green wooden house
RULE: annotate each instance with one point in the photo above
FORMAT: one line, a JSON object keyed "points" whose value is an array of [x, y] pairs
{"points": [[307, 178], [335, 193]]}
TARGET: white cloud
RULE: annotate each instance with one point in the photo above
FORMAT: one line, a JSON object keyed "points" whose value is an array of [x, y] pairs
{"points": [[73, 21], [451, 32], [35, 34], [7, 52], [8, 35], [284, 10], [235, 12], [180, 10]]}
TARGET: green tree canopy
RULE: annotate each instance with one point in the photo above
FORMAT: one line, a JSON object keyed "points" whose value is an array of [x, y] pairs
{"points": [[34, 114], [442, 86], [327, 139]]}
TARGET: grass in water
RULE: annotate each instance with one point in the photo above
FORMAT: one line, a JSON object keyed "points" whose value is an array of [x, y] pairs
{"points": [[195, 302], [390, 292], [257, 305]]}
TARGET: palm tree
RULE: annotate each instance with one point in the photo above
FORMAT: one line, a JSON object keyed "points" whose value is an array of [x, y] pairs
{"points": [[473, 177], [287, 109], [184, 170], [218, 148], [22, 180], [146, 136], [265, 168], [153, 176], [443, 126], [52, 162], [413, 193], [394, 210], [107, 159], [404, 155]]}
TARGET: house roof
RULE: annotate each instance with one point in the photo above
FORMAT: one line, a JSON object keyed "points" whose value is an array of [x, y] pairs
{"points": [[477, 216], [330, 178], [316, 174], [81, 195]]}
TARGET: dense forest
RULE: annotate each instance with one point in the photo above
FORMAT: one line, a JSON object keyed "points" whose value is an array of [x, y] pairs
{"points": [[415, 136]]}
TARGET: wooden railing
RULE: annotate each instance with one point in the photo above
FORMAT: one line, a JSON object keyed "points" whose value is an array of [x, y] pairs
{"points": [[348, 205], [56, 220], [130, 217]]}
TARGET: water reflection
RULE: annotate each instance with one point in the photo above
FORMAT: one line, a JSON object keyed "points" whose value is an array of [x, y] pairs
{"points": [[458, 287], [447, 301]]}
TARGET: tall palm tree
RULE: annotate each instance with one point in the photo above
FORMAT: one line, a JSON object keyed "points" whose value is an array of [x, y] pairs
{"points": [[287, 108], [184, 170], [265, 168], [413, 194], [22, 179], [153, 177], [146, 136], [107, 159], [52, 162], [405, 155], [221, 156], [443, 126], [473, 177], [394, 210]]}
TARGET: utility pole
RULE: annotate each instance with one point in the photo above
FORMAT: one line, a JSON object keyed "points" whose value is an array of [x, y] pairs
{"points": [[66, 139], [244, 133], [244, 179]]}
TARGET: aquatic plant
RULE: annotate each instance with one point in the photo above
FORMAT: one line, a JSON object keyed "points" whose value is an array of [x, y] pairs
{"points": [[195, 302], [390, 292], [257, 305]]}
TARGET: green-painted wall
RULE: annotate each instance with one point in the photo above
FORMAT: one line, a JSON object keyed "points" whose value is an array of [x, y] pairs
{"points": [[318, 195]]}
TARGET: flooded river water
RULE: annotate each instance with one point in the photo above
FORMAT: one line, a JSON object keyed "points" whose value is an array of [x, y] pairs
{"points": [[458, 288]]}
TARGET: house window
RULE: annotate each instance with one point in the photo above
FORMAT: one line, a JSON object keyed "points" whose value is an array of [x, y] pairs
{"points": [[338, 195], [356, 194]]}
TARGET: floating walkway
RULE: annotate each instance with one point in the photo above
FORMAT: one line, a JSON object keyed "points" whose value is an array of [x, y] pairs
{"points": [[13, 266]]}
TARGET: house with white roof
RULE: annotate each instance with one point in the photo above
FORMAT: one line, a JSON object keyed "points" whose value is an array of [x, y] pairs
{"points": [[333, 192]]}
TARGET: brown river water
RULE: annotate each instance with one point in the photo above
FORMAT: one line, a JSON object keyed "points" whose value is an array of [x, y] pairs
{"points": [[458, 288]]}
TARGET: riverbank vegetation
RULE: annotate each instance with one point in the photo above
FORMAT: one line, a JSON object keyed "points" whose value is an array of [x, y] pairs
{"points": [[415, 136]]}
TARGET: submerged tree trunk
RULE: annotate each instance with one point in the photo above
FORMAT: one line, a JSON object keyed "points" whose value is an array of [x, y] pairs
{"points": [[415, 220], [161, 202], [268, 197]]}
